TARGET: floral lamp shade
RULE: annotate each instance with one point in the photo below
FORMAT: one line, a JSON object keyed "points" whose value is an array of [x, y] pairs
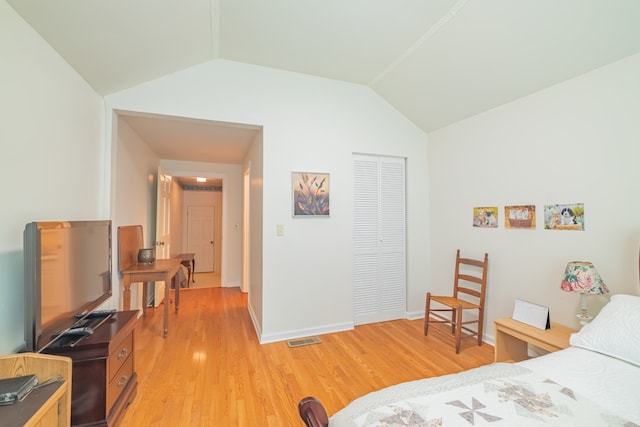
{"points": [[582, 278]]}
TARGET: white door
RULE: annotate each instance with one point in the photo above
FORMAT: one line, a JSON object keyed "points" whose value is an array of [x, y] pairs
{"points": [[200, 236], [163, 215], [163, 228], [379, 239]]}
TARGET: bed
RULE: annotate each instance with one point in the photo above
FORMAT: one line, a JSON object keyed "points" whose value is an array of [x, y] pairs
{"points": [[594, 382]]}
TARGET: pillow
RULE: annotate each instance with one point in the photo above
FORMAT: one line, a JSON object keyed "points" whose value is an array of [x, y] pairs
{"points": [[615, 331]]}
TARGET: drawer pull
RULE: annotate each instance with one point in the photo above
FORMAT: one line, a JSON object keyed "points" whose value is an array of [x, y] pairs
{"points": [[123, 353], [123, 381]]}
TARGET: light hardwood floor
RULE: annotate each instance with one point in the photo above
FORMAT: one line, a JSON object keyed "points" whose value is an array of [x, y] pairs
{"points": [[212, 371], [205, 280]]}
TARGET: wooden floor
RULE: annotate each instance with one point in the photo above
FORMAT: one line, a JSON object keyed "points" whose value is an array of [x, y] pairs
{"points": [[212, 371], [205, 280]]}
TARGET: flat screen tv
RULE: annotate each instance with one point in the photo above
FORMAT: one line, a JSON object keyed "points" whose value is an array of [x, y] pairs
{"points": [[67, 269]]}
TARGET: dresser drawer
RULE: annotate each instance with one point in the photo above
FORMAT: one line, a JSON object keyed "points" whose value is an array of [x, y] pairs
{"points": [[119, 356], [119, 382]]}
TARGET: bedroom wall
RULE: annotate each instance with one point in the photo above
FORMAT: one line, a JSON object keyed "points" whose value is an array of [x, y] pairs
{"points": [[53, 158], [309, 124], [577, 142], [134, 197]]}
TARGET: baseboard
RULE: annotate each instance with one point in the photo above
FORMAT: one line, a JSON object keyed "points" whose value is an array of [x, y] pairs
{"points": [[301, 333], [415, 315], [256, 325], [230, 285]]}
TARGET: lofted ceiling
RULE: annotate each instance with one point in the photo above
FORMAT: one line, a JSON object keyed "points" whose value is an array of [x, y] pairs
{"points": [[437, 62]]}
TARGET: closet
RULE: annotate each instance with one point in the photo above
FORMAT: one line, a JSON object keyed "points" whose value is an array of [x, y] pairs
{"points": [[379, 238]]}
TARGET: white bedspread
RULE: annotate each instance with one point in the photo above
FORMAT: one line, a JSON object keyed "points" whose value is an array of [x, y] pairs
{"points": [[495, 395], [612, 383]]}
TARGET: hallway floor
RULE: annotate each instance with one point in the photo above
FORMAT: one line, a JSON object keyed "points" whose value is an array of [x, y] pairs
{"points": [[206, 280]]}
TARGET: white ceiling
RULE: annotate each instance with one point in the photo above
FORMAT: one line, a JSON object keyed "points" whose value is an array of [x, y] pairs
{"points": [[436, 62]]}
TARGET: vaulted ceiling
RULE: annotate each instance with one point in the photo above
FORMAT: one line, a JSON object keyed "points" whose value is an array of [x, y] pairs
{"points": [[436, 61]]}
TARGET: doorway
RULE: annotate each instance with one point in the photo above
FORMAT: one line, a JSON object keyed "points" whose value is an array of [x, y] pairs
{"points": [[196, 224]]}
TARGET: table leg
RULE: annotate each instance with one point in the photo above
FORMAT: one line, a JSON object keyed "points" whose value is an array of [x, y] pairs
{"points": [[167, 302], [177, 290], [193, 268], [509, 348], [126, 296], [145, 296], [188, 265]]}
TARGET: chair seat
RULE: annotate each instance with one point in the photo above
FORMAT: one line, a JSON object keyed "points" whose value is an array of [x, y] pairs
{"points": [[454, 302]]}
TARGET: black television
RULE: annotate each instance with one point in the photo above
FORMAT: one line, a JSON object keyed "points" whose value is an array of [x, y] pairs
{"points": [[67, 274]]}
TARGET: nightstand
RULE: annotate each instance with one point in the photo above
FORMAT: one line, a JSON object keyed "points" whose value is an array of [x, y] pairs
{"points": [[513, 337]]}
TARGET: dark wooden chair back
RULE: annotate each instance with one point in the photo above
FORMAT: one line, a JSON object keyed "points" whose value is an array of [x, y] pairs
{"points": [[312, 412]]}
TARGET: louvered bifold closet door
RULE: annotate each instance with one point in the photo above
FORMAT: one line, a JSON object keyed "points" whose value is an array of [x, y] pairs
{"points": [[379, 239]]}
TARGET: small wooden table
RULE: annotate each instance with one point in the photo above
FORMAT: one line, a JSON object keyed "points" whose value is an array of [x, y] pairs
{"points": [[189, 261], [513, 337], [161, 269]]}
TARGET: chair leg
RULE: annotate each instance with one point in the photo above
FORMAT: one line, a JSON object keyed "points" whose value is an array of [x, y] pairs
{"points": [[458, 327], [453, 319], [480, 321], [427, 308]]}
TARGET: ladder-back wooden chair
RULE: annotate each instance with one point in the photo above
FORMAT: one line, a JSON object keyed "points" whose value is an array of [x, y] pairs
{"points": [[469, 290]]}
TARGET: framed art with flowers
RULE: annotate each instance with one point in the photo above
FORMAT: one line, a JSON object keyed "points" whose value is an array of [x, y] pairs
{"points": [[310, 194]]}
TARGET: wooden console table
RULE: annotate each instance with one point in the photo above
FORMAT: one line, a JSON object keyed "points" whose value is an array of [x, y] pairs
{"points": [[129, 243], [189, 261], [161, 269]]}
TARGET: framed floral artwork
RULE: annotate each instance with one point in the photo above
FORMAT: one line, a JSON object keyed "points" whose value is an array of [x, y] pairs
{"points": [[310, 194]]}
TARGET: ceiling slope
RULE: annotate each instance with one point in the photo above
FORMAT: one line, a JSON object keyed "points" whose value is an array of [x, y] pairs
{"points": [[437, 62]]}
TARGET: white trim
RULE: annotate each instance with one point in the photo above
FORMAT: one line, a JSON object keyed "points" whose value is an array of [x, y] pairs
{"points": [[301, 333]]}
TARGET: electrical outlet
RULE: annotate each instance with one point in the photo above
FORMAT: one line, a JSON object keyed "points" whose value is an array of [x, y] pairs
{"points": [[279, 230]]}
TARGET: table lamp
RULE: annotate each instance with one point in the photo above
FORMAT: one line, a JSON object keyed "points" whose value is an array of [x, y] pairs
{"points": [[582, 278]]}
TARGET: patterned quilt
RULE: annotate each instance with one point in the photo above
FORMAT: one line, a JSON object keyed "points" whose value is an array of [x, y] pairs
{"points": [[494, 395]]}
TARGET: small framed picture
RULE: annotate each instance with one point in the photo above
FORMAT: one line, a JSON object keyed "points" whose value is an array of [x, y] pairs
{"points": [[522, 216], [485, 217], [310, 194], [564, 217]]}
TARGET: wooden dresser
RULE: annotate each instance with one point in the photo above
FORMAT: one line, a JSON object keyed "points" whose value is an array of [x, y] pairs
{"points": [[104, 377]]}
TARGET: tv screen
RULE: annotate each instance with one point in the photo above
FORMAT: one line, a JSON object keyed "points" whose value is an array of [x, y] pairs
{"points": [[67, 273]]}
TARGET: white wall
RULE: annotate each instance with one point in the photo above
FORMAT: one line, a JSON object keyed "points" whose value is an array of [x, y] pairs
{"points": [[253, 166], [134, 197], [309, 124], [53, 158], [577, 142]]}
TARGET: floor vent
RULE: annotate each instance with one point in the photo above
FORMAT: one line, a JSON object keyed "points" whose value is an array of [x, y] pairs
{"points": [[303, 341]]}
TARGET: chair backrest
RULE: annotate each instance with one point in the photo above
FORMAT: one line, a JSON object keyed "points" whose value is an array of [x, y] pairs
{"points": [[312, 412], [129, 242], [471, 278]]}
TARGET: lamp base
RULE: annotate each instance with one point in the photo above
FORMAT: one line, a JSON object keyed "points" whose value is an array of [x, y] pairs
{"points": [[584, 318]]}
